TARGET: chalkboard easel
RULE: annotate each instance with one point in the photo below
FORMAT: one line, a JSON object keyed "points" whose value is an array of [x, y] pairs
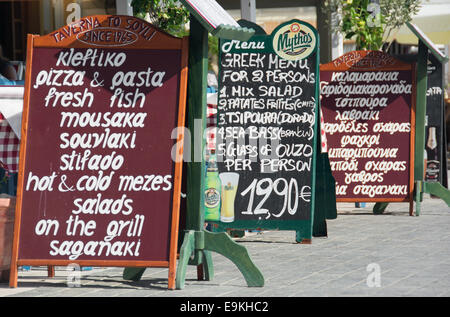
{"points": [[54, 226], [433, 188], [422, 186], [365, 170], [265, 190]]}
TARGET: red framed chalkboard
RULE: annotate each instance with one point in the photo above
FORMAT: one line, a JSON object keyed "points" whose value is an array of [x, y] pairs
{"points": [[368, 105], [100, 171]]}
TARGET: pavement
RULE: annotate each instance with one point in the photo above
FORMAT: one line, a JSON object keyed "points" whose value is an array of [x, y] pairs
{"points": [[367, 255]]}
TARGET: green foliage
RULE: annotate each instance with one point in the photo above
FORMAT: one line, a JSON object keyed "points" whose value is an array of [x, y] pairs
{"points": [[213, 52], [355, 23], [171, 16], [398, 12], [168, 15], [370, 22]]}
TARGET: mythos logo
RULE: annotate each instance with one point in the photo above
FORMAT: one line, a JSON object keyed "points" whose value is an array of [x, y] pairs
{"points": [[294, 40]]}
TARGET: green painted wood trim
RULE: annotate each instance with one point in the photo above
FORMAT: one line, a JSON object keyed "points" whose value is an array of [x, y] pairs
{"points": [[317, 134], [208, 266], [196, 240], [418, 188], [186, 250], [196, 123], [423, 38], [196, 113], [133, 273], [222, 31], [199, 240], [421, 186], [251, 25], [421, 102], [379, 208], [238, 254], [233, 33], [222, 244], [304, 227], [436, 189]]}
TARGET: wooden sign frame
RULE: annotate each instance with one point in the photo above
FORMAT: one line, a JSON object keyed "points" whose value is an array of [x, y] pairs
{"points": [[435, 112], [354, 61], [216, 20], [302, 227], [59, 39]]}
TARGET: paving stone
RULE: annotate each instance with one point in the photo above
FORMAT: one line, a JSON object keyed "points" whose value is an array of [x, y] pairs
{"points": [[413, 254]]}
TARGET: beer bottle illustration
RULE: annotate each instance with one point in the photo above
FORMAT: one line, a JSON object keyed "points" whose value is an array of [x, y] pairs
{"points": [[213, 189], [433, 164]]}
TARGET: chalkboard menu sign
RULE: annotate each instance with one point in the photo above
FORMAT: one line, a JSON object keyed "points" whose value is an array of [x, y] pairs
{"points": [[435, 136], [100, 174], [266, 129], [367, 99]]}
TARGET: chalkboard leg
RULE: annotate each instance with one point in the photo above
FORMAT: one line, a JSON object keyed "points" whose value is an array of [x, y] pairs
{"points": [[224, 245], [208, 267], [186, 250], [205, 270], [50, 271], [133, 273], [418, 200], [436, 189], [379, 208], [200, 273], [301, 238], [13, 274], [237, 233], [320, 228], [411, 207]]}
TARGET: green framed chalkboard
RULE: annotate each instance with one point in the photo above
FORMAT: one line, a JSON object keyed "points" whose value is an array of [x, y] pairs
{"points": [[266, 138]]}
